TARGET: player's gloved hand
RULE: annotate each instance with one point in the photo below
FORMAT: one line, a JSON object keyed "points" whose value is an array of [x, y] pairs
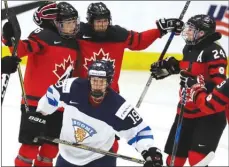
{"points": [[187, 80], [164, 68], [46, 12], [153, 157], [193, 85], [170, 25], [9, 64], [33, 125], [7, 33]]}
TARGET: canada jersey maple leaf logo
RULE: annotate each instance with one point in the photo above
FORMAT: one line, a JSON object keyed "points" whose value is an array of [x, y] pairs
{"points": [[101, 55], [61, 68]]}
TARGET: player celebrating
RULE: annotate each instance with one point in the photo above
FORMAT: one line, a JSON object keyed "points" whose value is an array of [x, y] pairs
{"points": [[213, 102], [99, 39], [51, 50], [93, 114], [202, 55]]}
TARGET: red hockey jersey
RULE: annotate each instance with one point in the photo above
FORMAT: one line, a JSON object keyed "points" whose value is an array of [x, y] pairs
{"points": [[217, 101], [111, 47], [208, 59], [49, 55]]}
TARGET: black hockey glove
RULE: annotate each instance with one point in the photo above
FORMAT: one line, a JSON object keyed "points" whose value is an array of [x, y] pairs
{"points": [[164, 68], [32, 125], [153, 157], [9, 64], [170, 25], [8, 33]]}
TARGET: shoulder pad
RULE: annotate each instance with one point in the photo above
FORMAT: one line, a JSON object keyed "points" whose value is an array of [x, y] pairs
{"points": [[118, 33], [46, 35], [214, 52], [67, 84], [124, 110]]}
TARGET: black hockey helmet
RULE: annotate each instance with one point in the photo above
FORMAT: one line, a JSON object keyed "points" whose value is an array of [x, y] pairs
{"points": [[45, 14], [200, 23], [102, 69], [66, 12], [98, 11]]}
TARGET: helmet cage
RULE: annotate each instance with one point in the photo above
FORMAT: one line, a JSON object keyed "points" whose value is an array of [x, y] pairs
{"points": [[190, 40], [60, 25]]}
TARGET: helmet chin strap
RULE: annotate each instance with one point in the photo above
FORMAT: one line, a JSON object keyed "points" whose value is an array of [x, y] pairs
{"points": [[97, 96]]}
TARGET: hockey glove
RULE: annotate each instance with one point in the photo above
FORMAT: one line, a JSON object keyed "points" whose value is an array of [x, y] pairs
{"points": [[153, 157], [32, 125], [9, 64], [164, 68], [45, 14], [193, 85], [8, 33], [170, 25]]}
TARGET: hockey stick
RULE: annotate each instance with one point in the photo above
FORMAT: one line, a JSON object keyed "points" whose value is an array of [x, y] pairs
{"points": [[179, 123], [19, 9], [178, 130], [161, 56], [15, 41], [88, 148]]}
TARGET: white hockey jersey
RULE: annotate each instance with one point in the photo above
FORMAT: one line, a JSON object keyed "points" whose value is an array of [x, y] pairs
{"points": [[93, 126]]}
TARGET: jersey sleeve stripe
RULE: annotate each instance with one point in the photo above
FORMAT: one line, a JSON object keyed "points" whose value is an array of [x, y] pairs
{"points": [[38, 43], [144, 133], [29, 46], [131, 38], [49, 95], [217, 65], [223, 97], [209, 105], [218, 76], [218, 99]]}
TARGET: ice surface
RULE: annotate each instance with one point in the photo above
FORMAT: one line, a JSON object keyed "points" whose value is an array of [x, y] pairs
{"points": [[158, 110]]}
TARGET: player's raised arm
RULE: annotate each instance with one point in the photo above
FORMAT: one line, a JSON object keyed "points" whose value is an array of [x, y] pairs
{"points": [[142, 40], [55, 97]]}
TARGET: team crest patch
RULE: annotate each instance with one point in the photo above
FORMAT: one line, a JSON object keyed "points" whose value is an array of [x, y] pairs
{"points": [[82, 130]]}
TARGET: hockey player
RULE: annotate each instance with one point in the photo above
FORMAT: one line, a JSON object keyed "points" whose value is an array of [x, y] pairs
{"points": [[93, 114], [99, 39], [213, 102], [9, 64], [201, 55], [51, 50]]}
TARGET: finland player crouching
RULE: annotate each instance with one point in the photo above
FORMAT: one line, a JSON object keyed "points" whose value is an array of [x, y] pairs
{"points": [[93, 114]]}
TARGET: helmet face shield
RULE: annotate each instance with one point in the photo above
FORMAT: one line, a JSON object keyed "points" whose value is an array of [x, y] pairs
{"points": [[190, 34], [98, 86], [68, 28], [100, 76]]}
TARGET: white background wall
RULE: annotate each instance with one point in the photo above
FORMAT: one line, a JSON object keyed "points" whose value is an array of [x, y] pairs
{"points": [[136, 15]]}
